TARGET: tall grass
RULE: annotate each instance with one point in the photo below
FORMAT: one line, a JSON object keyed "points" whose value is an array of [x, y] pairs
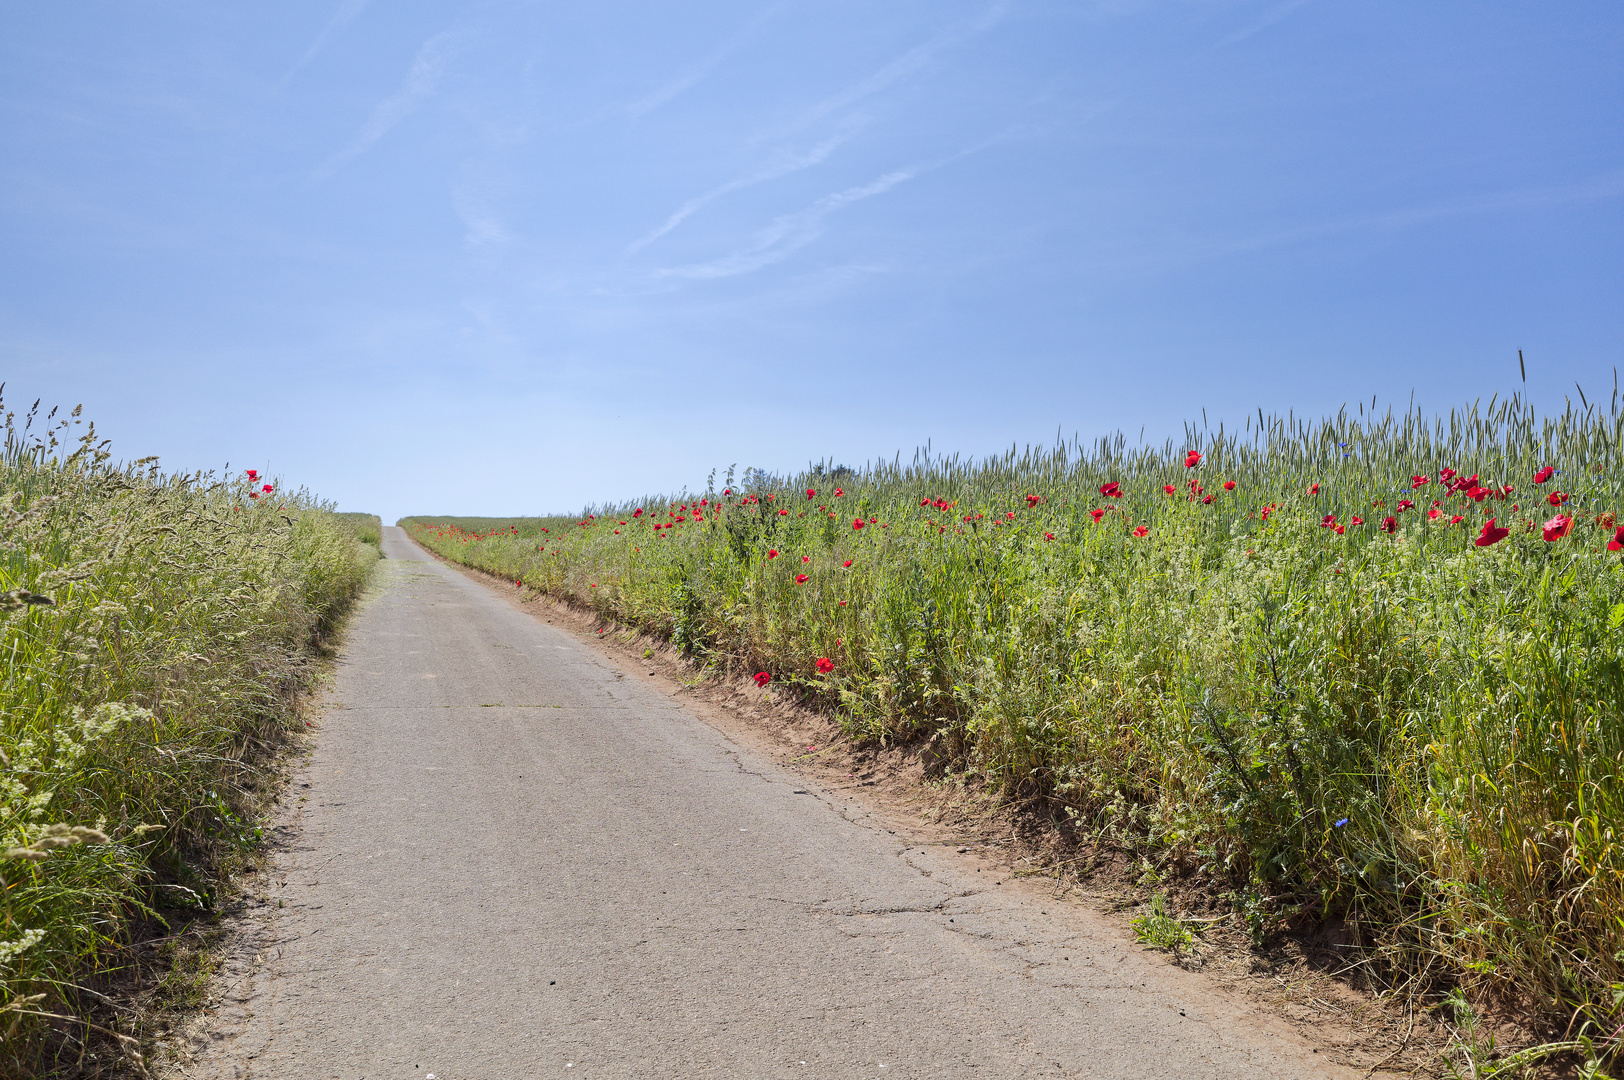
{"points": [[1404, 730], [367, 528], [155, 630]]}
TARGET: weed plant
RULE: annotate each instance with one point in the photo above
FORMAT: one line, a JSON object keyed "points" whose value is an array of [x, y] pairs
{"points": [[154, 631], [1299, 660]]}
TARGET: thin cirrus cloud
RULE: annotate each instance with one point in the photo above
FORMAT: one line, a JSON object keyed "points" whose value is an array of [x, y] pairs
{"points": [[696, 73], [421, 81], [1274, 15], [787, 233], [474, 203], [784, 164], [909, 63], [346, 13], [1607, 186]]}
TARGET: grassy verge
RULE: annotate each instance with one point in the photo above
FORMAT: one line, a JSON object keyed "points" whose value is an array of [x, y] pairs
{"points": [[155, 630], [1297, 662], [367, 528]]}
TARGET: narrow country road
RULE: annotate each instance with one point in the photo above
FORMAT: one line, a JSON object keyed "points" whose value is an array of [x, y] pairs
{"points": [[510, 861]]}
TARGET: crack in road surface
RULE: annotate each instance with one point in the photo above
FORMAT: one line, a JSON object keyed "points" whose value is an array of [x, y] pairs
{"points": [[605, 886]]}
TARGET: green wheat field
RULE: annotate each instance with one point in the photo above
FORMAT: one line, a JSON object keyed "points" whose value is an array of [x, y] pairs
{"points": [[1366, 668]]}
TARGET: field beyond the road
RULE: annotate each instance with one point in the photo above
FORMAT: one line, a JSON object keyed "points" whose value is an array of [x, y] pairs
{"points": [[1366, 669]]}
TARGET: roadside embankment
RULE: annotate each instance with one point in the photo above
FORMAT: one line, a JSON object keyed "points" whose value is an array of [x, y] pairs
{"points": [[156, 632]]}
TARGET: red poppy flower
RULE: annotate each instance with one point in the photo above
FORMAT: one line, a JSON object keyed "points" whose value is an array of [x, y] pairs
{"points": [[1169, 488], [1544, 475], [1446, 475], [762, 678], [1419, 481], [811, 494], [924, 502], [772, 553], [1328, 521], [1206, 499], [801, 579], [617, 532], [1456, 520], [1405, 504], [1048, 536], [1557, 498], [1556, 528], [783, 513], [635, 513], [806, 558], [1313, 489], [1435, 513], [838, 493], [1033, 500], [253, 474], [1478, 494], [1192, 459], [1617, 542], [846, 563], [267, 489], [1096, 515], [1113, 490], [1491, 534], [1009, 515], [1389, 524], [825, 665], [1143, 530], [857, 523], [727, 491], [1229, 485]]}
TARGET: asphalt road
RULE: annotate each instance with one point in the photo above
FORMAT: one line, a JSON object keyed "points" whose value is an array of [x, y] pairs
{"points": [[514, 860]]}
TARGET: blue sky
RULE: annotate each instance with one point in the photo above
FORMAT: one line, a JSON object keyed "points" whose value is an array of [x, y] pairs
{"points": [[501, 257]]}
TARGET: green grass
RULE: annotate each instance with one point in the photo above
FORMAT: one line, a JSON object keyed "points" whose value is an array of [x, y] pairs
{"points": [[367, 528], [178, 633], [1402, 729]]}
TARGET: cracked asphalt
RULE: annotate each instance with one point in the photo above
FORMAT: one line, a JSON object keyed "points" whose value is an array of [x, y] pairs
{"points": [[509, 856]]}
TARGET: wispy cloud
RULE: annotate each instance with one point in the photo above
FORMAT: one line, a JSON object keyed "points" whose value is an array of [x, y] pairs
{"points": [[789, 232], [421, 80], [346, 13], [697, 72], [1274, 15], [909, 63], [782, 165], [474, 201], [1602, 187]]}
